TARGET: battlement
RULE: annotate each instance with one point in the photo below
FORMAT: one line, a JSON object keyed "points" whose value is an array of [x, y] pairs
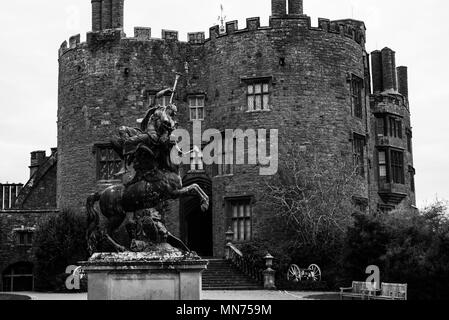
{"points": [[108, 17], [348, 28]]}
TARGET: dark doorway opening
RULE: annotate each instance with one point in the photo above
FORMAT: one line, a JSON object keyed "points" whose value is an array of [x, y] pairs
{"points": [[18, 277], [196, 225]]}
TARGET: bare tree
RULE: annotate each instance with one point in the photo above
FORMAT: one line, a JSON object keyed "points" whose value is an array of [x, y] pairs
{"points": [[312, 195]]}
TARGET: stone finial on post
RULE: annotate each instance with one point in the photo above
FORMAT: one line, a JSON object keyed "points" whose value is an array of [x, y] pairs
{"points": [[229, 238], [269, 273]]}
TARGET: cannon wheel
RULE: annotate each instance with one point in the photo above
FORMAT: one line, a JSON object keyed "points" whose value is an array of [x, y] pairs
{"points": [[294, 273], [315, 272]]}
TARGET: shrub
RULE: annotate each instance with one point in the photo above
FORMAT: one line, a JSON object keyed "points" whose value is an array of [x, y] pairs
{"points": [[409, 247], [60, 242]]}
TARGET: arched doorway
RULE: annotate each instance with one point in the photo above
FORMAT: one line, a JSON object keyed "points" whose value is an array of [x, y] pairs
{"points": [[197, 226], [18, 277]]}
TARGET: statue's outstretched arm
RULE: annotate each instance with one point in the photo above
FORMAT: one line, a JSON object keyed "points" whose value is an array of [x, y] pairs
{"points": [[164, 92]]}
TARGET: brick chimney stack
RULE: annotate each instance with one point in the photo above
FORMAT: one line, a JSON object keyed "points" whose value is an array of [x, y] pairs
{"points": [[37, 159], [376, 66], [107, 14], [278, 8], [403, 80], [96, 15], [118, 7], [295, 7], [389, 70]]}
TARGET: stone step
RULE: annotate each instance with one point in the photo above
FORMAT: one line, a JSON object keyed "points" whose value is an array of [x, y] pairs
{"points": [[223, 275]]}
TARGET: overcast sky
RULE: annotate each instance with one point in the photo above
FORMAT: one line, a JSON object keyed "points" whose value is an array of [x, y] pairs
{"points": [[32, 32]]}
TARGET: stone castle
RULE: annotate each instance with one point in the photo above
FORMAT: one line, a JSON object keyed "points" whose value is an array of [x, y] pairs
{"points": [[317, 85]]}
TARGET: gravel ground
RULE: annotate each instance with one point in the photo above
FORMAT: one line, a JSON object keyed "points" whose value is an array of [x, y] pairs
{"points": [[207, 295]]}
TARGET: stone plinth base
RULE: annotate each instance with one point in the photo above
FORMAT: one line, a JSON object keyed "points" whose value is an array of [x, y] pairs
{"points": [[144, 276]]}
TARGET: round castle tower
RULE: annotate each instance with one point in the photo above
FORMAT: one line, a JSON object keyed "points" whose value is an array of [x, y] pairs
{"points": [[314, 87]]}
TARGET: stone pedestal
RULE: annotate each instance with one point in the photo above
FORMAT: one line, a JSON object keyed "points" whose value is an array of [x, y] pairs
{"points": [[144, 276], [269, 279]]}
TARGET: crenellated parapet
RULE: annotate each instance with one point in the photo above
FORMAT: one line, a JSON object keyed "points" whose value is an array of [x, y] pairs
{"points": [[347, 28], [108, 21]]}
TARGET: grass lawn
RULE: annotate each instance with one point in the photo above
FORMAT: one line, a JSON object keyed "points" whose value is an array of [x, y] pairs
{"points": [[329, 296]]}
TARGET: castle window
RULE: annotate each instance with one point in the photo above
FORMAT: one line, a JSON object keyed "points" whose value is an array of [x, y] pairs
{"points": [[395, 128], [239, 212], [24, 237], [196, 104], [391, 161], [108, 163], [383, 166], [397, 166], [225, 168], [381, 127], [359, 153], [389, 126], [357, 96], [163, 101], [196, 162], [258, 96], [18, 277]]}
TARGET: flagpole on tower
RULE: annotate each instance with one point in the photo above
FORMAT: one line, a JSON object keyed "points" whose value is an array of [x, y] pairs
{"points": [[222, 19]]}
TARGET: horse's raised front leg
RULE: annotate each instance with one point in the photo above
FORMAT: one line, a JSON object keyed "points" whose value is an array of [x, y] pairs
{"points": [[193, 189], [117, 247], [110, 229]]}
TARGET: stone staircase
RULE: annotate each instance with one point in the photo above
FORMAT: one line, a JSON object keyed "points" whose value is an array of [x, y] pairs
{"points": [[222, 275]]}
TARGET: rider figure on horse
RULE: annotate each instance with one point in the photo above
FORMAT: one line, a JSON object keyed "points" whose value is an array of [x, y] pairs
{"points": [[153, 138]]}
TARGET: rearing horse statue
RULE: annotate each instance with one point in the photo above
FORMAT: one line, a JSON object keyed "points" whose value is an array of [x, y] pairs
{"points": [[156, 180]]}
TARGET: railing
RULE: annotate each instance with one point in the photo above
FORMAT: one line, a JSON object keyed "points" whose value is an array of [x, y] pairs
{"points": [[245, 265], [248, 267]]}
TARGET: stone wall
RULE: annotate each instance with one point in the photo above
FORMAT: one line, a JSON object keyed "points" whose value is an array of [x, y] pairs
{"points": [[11, 251]]}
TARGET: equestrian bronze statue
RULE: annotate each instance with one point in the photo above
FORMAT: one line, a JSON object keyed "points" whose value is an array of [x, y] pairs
{"points": [[148, 149]]}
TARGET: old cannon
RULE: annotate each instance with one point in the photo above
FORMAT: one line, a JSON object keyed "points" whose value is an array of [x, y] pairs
{"points": [[296, 274]]}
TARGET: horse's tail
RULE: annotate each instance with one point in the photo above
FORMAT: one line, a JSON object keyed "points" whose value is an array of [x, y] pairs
{"points": [[93, 221]]}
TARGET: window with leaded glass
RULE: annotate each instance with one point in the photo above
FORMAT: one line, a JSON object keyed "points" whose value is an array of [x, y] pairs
{"points": [[226, 167], [240, 215], [258, 96], [196, 104], [108, 163], [357, 96], [383, 166], [163, 101], [24, 238], [389, 126], [395, 128], [397, 166], [381, 127]]}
